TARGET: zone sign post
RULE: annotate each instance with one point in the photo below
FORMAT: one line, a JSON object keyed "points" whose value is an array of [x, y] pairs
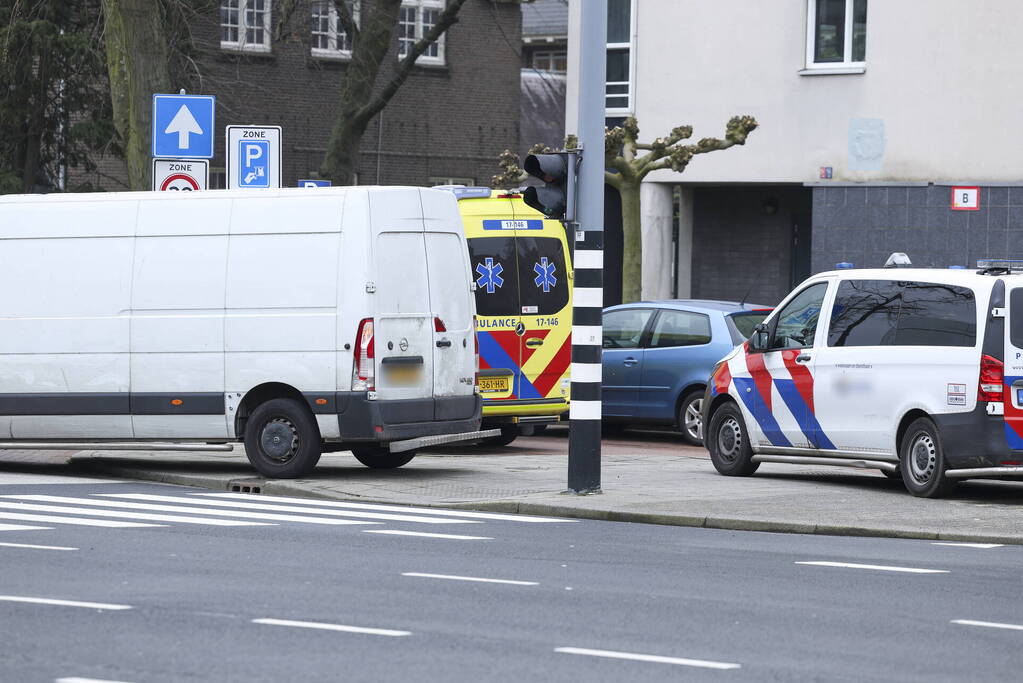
{"points": [[965, 198], [253, 157], [187, 175]]}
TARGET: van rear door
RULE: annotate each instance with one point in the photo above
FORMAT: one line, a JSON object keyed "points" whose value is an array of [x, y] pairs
{"points": [[404, 327], [1013, 382]]}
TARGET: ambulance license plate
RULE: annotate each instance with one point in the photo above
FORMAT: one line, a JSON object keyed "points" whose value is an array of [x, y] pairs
{"points": [[494, 384], [403, 375]]}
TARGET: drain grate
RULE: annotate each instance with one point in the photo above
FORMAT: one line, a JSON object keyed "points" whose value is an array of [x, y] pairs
{"points": [[245, 488]]}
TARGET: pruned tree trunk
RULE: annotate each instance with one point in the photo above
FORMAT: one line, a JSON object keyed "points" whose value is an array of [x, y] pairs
{"points": [[137, 55], [632, 248]]}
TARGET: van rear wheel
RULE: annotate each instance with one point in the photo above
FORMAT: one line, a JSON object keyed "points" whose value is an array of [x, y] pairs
{"points": [[729, 444], [922, 460], [508, 434], [282, 440], [379, 458]]}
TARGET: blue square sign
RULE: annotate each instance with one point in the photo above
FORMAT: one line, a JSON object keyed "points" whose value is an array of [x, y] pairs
{"points": [[254, 163], [183, 126]]}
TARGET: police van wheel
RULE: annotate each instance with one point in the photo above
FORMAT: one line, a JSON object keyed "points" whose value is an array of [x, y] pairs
{"points": [[690, 419], [379, 458], [922, 461], [282, 440], [729, 444]]}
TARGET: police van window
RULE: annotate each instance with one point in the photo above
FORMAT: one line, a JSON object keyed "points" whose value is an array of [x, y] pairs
{"points": [[492, 261], [936, 315], [624, 328], [796, 324], [1016, 317], [866, 313], [680, 328], [543, 283]]}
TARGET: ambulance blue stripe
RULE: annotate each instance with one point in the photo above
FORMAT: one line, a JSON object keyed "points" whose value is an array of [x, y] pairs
{"points": [[1015, 440], [807, 421], [746, 389], [496, 357]]}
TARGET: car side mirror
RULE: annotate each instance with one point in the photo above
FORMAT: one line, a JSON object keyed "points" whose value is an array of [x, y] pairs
{"points": [[760, 337]]}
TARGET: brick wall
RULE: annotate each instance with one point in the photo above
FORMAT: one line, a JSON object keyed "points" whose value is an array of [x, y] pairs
{"points": [[450, 120]]}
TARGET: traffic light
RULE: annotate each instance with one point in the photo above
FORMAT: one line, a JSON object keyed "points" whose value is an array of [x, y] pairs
{"points": [[556, 198]]}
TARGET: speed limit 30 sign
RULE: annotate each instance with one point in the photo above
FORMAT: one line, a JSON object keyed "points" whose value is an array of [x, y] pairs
{"points": [[180, 175]]}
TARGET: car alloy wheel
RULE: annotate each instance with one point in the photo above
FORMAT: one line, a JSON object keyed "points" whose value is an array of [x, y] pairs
{"points": [[693, 419]]}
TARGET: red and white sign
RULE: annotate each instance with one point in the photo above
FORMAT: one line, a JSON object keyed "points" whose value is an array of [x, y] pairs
{"points": [[965, 198], [177, 175]]}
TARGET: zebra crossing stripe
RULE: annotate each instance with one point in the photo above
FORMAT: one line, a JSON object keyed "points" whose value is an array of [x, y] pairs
{"points": [[79, 521], [397, 508], [21, 527], [178, 508], [290, 508], [122, 515]]}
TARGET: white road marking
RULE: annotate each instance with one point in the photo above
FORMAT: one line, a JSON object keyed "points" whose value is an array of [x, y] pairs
{"points": [[125, 515], [86, 680], [190, 510], [332, 627], [450, 577], [426, 534], [702, 663], [984, 546], [391, 508], [62, 603], [287, 508], [878, 567], [988, 624], [37, 547], [15, 479], [80, 521], [22, 527]]}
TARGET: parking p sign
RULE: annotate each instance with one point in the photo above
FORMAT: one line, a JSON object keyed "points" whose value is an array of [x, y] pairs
{"points": [[253, 157]]}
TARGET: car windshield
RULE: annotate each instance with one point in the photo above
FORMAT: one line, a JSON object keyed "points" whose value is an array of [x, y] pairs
{"points": [[741, 325]]}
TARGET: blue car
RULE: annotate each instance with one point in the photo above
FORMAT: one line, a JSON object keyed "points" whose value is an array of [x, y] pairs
{"points": [[658, 356]]}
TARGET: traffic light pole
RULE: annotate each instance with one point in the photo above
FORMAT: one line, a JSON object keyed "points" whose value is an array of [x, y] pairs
{"points": [[588, 288]]}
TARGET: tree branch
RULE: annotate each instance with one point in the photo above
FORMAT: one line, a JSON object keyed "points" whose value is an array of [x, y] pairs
{"points": [[346, 16], [447, 19]]}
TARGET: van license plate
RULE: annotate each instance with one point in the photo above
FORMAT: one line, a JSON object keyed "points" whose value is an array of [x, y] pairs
{"points": [[494, 384], [403, 375]]}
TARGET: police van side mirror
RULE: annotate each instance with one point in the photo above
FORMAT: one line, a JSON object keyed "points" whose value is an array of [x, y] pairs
{"points": [[760, 337]]}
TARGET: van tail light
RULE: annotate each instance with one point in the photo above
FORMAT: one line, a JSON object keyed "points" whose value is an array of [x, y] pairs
{"points": [[363, 371], [438, 325], [992, 375]]}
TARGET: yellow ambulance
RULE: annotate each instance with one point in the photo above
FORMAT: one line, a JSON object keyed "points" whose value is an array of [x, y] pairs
{"points": [[523, 273]]}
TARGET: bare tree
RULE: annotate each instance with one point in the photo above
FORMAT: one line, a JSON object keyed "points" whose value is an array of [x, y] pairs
{"points": [[625, 169]]}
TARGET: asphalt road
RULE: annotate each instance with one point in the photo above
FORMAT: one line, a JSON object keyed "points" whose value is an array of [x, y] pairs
{"points": [[298, 596]]}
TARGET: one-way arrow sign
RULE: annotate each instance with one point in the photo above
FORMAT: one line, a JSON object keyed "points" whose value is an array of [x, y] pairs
{"points": [[183, 126]]}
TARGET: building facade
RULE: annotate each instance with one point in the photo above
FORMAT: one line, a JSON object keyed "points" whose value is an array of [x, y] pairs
{"points": [[282, 63], [870, 114]]}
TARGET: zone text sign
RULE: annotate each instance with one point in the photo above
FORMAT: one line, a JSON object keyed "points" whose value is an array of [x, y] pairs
{"points": [[188, 175], [253, 157], [965, 198]]}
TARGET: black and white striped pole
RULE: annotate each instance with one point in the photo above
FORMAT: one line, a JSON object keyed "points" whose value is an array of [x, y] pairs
{"points": [[588, 284]]}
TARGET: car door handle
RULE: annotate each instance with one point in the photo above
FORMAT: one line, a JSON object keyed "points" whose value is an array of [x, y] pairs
{"points": [[534, 342], [803, 358], [629, 362], [443, 343]]}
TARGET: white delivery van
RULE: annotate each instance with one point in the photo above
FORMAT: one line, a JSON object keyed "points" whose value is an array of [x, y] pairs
{"points": [[916, 372], [295, 320]]}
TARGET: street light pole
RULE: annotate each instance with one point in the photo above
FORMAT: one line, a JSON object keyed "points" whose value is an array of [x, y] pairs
{"points": [[588, 288]]}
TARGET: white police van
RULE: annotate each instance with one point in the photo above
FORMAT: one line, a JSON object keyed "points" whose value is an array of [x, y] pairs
{"points": [[916, 372], [298, 321]]}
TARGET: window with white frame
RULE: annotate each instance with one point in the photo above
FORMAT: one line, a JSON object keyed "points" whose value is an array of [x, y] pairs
{"points": [[329, 38], [245, 25], [620, 17], [416, 19], [836, 35]]}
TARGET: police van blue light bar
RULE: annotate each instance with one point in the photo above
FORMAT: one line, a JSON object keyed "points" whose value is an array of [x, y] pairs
{"points": [[844, 265], [463, 192], [1000, 263]]}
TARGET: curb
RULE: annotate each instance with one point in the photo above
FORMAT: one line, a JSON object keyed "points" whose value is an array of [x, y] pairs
{"points": [[257, 485]]}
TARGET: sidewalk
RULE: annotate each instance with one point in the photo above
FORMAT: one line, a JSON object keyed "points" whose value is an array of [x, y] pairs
{"points": [[680, 488]]}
